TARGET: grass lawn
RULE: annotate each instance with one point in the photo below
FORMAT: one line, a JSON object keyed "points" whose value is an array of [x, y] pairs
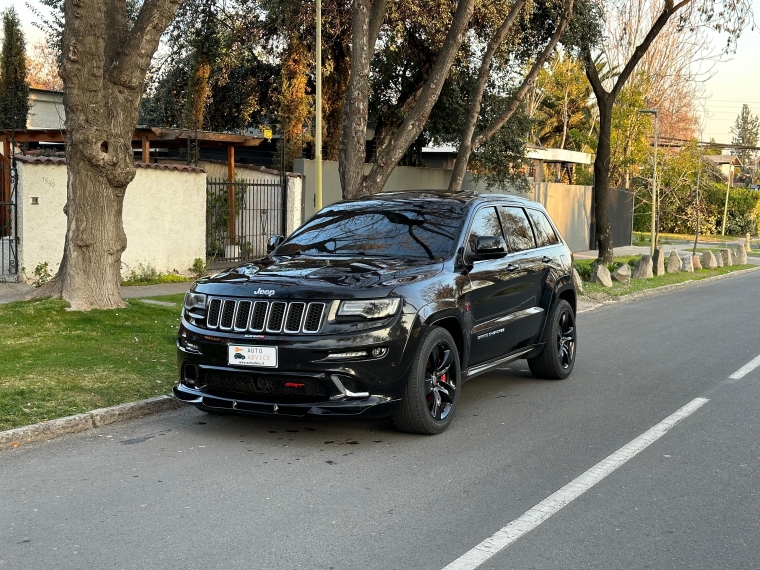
{"points": [[644, 238], [56, 363], [596, 292]]}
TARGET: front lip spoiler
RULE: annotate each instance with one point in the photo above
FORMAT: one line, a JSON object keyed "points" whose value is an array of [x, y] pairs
{"points": [[373, 406]]}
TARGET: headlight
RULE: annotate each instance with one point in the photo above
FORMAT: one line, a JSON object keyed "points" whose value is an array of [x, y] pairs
{"points": [[369, 309], [195, 301]]}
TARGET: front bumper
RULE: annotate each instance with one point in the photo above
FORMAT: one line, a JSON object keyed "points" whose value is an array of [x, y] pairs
{"points": [[305, 381]]}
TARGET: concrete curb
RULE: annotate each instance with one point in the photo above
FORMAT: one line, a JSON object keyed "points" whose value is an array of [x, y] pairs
{"points": [[664, 289], [83, 422]]}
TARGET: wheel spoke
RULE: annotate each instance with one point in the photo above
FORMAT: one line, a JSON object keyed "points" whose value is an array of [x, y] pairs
{"points": [[444, 366], [435, 357], [436, 406]]}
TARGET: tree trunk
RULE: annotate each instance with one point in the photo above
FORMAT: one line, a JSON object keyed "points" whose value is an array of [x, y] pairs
{"points": [[601, 184], [367, 18], [103, 69]]}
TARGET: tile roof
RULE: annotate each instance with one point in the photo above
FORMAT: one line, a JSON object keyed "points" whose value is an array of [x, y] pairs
{"points": [[28, 159]]}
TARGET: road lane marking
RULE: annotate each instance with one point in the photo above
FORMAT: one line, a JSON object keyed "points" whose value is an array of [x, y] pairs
{"points": [[746, 369], [567, 494]]}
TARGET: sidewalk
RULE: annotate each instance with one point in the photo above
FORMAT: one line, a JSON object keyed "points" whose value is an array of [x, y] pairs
{"points": [[10, 292], [681, 248]]}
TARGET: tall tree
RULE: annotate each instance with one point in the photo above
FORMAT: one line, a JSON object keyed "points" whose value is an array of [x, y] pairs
{"points": [[105, 59], [470, 141], [14, 88], [367, 19], [745, 130], [729, 16]]}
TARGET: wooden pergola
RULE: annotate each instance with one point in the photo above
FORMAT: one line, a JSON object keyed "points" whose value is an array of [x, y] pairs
{"points": [[143, 139]]}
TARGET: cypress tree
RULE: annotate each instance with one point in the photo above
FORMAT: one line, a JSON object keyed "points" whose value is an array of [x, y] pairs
{"points": [[14, 89]]}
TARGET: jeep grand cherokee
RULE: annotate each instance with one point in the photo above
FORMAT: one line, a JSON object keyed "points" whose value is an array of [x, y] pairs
{"points": [[382, 307]]}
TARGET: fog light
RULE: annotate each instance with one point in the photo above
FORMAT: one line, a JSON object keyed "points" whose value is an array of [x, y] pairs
{"points": [[379, 352]]}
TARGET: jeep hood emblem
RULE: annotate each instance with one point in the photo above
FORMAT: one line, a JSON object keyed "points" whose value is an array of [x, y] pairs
{"points": [[267, 292]]}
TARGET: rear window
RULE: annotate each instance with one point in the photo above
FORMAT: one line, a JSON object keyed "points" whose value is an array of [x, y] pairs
{"points": [[517, 229], [542, 228]]}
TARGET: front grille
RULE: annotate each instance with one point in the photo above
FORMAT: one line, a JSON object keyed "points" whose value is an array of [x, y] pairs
{"points": [[263, 384], [243, 315]]}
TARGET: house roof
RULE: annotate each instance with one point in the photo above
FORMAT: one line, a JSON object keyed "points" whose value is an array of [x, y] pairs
{"points": [[533, 152], [731, 159]]}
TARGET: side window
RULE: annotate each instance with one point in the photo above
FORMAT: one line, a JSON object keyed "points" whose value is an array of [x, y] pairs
{"points": [[543, 229], [517, 230], [486, 223]]}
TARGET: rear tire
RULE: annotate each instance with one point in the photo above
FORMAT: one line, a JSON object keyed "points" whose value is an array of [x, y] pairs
{"points": [[432, 389], [556, 360]]}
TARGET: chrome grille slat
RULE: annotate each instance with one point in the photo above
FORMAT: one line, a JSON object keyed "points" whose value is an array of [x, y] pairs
{"points": [[240, 315], [276, 316], [259, 315], [294, 317], [214, 310], [313, 320]]}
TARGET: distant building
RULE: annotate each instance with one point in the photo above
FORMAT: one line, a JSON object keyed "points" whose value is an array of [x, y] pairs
{"points": [[725, 162], [546, 164], [45, 110]]}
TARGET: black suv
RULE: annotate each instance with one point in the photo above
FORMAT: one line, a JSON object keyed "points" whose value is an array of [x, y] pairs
{"points": [[382, 307]]}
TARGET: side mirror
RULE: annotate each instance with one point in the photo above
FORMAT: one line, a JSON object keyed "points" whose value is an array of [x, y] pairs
{"points": [[489, 247], [273, 242]]}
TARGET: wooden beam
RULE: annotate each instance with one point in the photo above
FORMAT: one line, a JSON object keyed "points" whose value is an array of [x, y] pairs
{"points": [[145, 150], [231, 191], [5, 183]]}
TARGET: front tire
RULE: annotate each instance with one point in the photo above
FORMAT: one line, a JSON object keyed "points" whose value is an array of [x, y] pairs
{"points": [[556, 360], [432, 389]]}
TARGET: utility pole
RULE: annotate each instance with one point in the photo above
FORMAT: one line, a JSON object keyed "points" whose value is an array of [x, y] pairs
{"points": [[318, 134], [655, 193]]}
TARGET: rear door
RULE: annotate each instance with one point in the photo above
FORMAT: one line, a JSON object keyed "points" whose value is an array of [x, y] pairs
{"points": [[529, 315]]}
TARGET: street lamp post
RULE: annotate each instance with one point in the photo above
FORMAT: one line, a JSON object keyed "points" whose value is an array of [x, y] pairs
{"points": [[655, 194]]}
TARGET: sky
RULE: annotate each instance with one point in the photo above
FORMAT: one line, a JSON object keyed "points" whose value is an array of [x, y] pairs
{"points": [[733, 82]]}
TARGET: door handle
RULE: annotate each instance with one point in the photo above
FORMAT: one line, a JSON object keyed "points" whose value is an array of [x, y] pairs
{"points": [[512, 267], [546, 259]]}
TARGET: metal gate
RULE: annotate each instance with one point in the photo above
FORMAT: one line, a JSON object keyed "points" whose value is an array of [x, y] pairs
{"points": [[8, 226], [621, 218], [240, 218]]}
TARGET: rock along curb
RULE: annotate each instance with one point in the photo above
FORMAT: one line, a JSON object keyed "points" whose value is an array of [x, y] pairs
{"points": [[51, 429], [664, 289]]}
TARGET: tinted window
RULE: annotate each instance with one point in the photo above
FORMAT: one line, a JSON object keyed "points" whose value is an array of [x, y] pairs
{"points": [[380, 228], [485, 223], [542, 228], [517, 230]]}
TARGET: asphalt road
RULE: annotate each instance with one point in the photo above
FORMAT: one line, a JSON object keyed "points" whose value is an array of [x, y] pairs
{"points": [[188, 490]]}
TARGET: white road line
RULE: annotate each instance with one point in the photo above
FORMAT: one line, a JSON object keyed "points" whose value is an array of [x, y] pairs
{"points": [[746, 369], [552, 504]]}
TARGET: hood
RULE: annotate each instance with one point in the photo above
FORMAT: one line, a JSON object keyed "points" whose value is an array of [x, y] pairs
{"points": [[317, 277]]}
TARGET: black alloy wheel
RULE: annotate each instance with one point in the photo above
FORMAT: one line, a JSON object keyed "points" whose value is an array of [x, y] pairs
{"points": [[566, 340], [556, 360], [440, 382], [432, 390]]}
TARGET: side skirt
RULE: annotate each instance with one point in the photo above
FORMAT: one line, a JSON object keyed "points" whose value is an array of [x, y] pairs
{"points": [[491, 364]]}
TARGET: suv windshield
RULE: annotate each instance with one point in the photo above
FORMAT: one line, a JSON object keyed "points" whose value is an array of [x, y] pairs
{"points": [[404, 228]]}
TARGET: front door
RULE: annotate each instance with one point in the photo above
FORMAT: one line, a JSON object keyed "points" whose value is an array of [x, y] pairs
{"points": [[495, 294]]}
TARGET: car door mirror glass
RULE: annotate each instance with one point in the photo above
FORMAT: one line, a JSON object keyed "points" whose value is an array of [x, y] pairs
{"points": [[489, 247]]}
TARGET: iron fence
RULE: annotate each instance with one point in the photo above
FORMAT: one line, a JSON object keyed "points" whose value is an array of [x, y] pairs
{"points": [[240, 218], [8, 228]]}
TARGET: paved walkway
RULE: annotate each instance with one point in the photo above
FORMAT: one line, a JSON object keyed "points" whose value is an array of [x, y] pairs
{"points": [[10, 292]]}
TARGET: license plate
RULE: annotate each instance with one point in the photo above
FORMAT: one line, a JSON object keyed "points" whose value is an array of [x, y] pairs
{"points": [[264, 356]]}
